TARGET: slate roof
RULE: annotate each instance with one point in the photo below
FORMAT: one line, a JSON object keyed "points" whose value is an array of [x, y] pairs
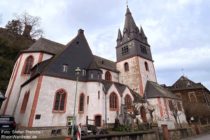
{"points": [[107, 85], [154, 90], [120, 88], [105, 63], [184, 83], [47, 46], [137, 97]]}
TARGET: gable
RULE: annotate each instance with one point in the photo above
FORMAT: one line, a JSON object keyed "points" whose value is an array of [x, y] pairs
{"points": [[76, 54]]}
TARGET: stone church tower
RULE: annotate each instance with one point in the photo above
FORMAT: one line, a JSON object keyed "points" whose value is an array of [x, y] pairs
{"points": [[134, 58]]}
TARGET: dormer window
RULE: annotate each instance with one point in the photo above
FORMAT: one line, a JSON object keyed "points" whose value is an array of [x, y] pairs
{"points": [[83, 72], [65, 68], [125, 50], [91, 75]]}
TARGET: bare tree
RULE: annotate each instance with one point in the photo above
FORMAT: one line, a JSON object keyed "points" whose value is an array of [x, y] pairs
{"points": [[31, 25], [25, 25], [196, 110]]}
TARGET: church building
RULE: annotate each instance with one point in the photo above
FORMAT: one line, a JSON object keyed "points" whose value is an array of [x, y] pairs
{"points": [[51, 82]]}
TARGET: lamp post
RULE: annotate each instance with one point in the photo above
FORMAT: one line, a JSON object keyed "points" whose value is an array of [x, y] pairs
{"points": [[77, 72]]}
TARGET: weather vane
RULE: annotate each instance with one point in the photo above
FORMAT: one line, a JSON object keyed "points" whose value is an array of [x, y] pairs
{"points": [[127, 3]]}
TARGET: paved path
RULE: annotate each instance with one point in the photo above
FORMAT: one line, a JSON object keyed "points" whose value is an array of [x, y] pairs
{"points": [[199, 137]]}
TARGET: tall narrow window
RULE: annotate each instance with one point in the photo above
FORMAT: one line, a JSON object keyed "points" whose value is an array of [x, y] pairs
{"points": [[81, 102], [146, 66], [128, 101], [113, 101], [126, 66], [25, 102], [59, 101], [28, 65], [98, 94], [108, 76], [192, 97], [87, 99]]}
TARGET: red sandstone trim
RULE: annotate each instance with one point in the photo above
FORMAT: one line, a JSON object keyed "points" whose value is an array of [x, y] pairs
{"points": [[160, 106], [40, 57], [140, 82], [154, 72], [10, 90], [36, 96], [166, 107]]}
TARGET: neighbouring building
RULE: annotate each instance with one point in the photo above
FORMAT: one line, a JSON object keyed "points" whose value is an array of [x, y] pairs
{"points": [[43, 85], [195, 98], [164, 107]]}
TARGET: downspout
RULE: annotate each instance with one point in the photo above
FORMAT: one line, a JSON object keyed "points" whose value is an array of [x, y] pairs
{"points": [[105, 106]]}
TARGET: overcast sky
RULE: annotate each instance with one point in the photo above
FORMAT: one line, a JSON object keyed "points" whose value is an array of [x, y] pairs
{"points": [[177, 30]]}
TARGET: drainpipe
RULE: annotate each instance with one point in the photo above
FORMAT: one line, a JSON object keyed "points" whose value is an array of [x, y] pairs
{"points": [[105, 105]]}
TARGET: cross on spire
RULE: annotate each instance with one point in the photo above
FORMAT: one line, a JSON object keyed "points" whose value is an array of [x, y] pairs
{"points": [[127, 3]]}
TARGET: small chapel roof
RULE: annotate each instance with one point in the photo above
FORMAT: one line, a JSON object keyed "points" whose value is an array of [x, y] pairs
{"points": [[154, 90], [121, 88]]}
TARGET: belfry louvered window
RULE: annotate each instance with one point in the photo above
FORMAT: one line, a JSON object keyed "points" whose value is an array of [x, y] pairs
{"points": [[125, 50]]}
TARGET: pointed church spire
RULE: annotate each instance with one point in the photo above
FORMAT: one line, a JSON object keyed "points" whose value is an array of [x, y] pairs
{"points": [[142, 35], [130, 28], [119, 37]]}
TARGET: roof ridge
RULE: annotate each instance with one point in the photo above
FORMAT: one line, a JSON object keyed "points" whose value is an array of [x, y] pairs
{"points": [[104, 58]]}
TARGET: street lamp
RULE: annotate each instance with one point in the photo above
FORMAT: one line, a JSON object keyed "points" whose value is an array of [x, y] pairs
{"points": [[77, 73]]}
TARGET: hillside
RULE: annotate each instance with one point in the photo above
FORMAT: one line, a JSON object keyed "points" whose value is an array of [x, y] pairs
{"points": [[10, 46]]}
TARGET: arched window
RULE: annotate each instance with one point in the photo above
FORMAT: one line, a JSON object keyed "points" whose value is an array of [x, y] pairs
{"points": [[113, 101], [126, 66], [60, 101], [25, 102], [146, 66], [108, 76], [192, 98], [128, 101], [28, 65], [81, 102]]}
